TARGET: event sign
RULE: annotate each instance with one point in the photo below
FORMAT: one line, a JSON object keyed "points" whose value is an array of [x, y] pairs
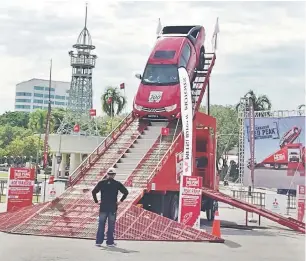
{"points": [[279, 155], [190, 201], [187, 120], [20, 188], [276, 203], [300, 201]]}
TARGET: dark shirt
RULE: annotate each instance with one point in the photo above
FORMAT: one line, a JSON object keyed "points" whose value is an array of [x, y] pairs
{"points": [[109, 189]]}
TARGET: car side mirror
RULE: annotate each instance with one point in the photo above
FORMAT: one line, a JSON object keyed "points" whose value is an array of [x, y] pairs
{"points": [[138, 75]]}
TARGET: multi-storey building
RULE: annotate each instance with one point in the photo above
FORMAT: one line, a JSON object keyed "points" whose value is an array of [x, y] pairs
{"points": [[34, 94]]}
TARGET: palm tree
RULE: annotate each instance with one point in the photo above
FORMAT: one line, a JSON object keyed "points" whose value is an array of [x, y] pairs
{"points": [[113, 102], [260, 103]]}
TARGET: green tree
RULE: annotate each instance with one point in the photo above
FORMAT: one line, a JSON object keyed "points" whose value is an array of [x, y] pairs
{"points": [[112, 101], [260, 103], [15, 148], [9, 133], [24, 147], [15, 119], [227, 127], [107, 124], [31, 145], [37, 121], [57, 116]]}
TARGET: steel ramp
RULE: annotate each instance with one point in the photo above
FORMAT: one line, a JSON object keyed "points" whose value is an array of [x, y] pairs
{"points": [[287, 222], [76, 216]]}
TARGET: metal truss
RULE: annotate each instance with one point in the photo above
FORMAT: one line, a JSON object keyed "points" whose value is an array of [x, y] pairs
{"points": [[242, 109], [80, 93]]}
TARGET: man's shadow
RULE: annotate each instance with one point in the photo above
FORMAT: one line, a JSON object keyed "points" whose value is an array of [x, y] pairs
{"points": [[118, 250]]}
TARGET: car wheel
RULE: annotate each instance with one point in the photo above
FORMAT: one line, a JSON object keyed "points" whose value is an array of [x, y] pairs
{"points": [[202, 60]]}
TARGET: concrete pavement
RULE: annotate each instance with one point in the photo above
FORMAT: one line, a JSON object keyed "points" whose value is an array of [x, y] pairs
{"points": [[273, 243]]}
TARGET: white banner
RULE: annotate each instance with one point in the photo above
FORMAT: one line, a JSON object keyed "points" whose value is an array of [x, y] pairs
{"points": [[187, 122]]}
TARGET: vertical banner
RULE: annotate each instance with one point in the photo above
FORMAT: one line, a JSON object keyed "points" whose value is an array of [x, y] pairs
{"points": [[252, 139], [300, 202], [187, 122], [190, 201], [20, 188], [179, 166]]}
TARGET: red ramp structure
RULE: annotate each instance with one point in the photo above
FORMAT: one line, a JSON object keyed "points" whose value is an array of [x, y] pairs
{"points": [[147, 163]]}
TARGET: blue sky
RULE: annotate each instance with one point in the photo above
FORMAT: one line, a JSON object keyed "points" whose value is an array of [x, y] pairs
{"points": [[261, 44]]}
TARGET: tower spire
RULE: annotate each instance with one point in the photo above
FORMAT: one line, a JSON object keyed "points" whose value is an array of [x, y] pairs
{"points": [[82, 62], [86, 15]]}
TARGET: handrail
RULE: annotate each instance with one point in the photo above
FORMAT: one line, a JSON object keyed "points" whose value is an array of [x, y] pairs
{"points": [[131, 177], [87, 161], [160, 164], [199, 100]]}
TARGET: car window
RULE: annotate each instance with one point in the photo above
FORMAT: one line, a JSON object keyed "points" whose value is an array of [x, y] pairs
{"points": [[160, 74], [164, 54], [186, 52], [182, 62]]}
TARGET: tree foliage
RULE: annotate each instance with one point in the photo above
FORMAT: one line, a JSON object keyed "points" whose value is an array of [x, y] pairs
{"points": [[15, 119], [113, 103], [107, 124], [227, 127], [37, 121], [260, 102]]}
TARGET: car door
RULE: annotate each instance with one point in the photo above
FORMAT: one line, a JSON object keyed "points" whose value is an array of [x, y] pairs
{"points": [[192, 63], [185, 57], [188, 59]]}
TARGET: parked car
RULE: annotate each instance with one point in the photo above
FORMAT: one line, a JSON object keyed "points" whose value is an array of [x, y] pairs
{"points": [[158, 95]]}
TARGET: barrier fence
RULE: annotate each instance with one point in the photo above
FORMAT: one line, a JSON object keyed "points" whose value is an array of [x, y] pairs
{"points": [[258, 198]]}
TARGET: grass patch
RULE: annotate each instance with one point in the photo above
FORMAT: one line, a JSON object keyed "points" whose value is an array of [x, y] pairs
{"points": [[3, 175]]}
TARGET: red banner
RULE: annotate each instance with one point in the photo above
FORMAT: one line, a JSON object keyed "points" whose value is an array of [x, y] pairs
{"points": [[190, 201], [300, 199], [20, 188]]}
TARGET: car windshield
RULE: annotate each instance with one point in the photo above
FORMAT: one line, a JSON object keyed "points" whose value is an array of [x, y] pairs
{"points": [[160, 74]]}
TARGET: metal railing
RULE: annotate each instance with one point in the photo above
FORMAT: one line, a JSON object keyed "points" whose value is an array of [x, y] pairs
{"points": [[258, 198], [99, 150]]}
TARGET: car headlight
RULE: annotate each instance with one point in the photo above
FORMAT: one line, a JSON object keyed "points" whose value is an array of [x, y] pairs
{"points": [[137, 107], [170, 108]]}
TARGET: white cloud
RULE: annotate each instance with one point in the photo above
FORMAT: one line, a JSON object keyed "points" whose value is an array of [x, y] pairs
{"points": [[261, 44]]}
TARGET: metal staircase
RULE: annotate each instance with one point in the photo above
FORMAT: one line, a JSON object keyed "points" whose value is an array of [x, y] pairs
{"points": [[141, 174], [131, 159]]}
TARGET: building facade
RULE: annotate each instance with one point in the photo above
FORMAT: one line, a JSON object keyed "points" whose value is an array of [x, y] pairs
{"points": [[34, 94]]}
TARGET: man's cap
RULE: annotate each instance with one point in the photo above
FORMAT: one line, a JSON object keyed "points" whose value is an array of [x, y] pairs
{"points": [[111, 171]]}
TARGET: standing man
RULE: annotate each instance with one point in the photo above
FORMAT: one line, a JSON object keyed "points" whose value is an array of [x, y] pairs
{"points": [[108, 189]]}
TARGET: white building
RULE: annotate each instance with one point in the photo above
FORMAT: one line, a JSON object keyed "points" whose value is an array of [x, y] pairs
{"points": [[34, 94]]}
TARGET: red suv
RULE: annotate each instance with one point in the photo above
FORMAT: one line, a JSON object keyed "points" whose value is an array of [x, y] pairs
{"points": [[158, 95]]}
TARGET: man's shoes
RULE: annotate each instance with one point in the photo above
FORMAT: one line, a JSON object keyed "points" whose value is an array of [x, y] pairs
{"points": [[112, 245], [98, 245]]}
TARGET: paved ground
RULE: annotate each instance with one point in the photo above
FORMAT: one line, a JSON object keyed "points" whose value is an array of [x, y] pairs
{"points": [[274, 243]]}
